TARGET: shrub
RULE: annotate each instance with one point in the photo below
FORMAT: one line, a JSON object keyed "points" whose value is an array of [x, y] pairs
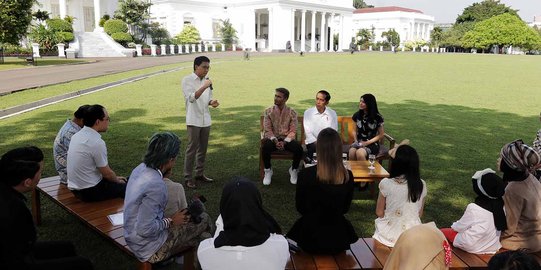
{"points": [[59, 25], [122, 38], [46, 38], [115, 26], [103, 19], [131, 45], [65, 36]]}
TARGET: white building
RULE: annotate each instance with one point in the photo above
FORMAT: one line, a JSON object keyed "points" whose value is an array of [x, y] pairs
{"points": [[411, 24], [262, 25], [307, 25]]}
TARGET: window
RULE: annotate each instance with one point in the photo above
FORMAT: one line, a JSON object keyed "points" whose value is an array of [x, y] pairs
{"points": [[216, 24]]}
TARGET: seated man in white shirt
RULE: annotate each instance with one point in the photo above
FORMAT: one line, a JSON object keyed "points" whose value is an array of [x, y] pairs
{"points": [[89, 176], [316, 119]]}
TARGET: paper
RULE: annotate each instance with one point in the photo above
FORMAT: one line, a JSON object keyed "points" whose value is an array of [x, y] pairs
{"points": [[117, 219]]}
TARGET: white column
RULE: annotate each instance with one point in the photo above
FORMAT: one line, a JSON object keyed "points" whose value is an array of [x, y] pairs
{"points": [[299, 27], [162, 49], [271, 29], [258, 25], [60, 47], [139, 49], [62, 6], [187, 48], [411, 37], [303, 31], [313, 34], [213, 47], [331, 37], [97, 13], [341, 33], [292, 40], [172, 48], [153, 49], [35, 49], [193, 47], [322, 31], [179, 48]]}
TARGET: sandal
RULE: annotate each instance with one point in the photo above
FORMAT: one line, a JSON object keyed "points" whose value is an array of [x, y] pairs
{"points": [[189, 184]]}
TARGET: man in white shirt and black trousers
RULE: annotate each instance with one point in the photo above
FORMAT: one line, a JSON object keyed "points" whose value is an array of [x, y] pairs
{"points": [[197, 89], [316, 119]]}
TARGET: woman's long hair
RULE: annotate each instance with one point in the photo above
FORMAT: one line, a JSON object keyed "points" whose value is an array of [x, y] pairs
{"points": [[371, 106], [406, 162], [330, 168]]}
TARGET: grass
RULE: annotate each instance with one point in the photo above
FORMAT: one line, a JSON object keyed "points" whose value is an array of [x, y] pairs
{"points": [[14, 62], [457, 110]]}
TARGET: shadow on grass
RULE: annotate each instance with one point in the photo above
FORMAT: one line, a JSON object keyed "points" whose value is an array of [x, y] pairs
{"points": [[453, 142]]}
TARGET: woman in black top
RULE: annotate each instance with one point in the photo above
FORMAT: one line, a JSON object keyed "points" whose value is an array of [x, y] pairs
{"points": [[369, 129], [324, 194]]}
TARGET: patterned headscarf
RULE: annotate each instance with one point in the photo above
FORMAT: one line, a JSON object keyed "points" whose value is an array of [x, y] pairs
{"points": [[519, 156]]}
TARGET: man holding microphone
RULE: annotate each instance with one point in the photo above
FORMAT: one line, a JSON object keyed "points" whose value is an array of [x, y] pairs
{"points": [[197, 89]]}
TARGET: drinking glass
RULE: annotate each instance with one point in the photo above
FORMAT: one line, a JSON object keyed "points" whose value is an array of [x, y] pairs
{"points": [[371, 159], [314, 158], [345, 161]]}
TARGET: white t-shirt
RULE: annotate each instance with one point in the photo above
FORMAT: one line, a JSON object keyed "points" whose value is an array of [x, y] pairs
{"points": [[271, 255], [314, 122], [87, 152], [476, 231]]}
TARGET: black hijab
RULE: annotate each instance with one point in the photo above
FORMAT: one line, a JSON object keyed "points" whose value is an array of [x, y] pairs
{"points": [[490, 188], [246, 223]]}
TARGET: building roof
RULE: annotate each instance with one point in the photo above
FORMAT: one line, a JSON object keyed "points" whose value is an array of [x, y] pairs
{"points": [[385, 9]]}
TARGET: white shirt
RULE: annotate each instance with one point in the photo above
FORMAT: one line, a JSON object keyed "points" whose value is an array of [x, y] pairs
{"points": [[87, 152], [271, 255], [476, 231], [314, 122], [197, 110]]}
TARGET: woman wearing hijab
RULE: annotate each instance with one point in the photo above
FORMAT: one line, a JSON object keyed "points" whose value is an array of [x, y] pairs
{"points": [[478, 230], [246, 237], [521, 198], [324, 193], [420, 247]]}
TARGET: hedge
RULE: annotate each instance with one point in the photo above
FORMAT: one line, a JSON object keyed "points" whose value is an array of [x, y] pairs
{"points": [[115, 26], [66, 36], [122, 38], [59, 25]]}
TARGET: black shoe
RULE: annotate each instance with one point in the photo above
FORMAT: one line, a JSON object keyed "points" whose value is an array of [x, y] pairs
{"points": [[204, 178]]}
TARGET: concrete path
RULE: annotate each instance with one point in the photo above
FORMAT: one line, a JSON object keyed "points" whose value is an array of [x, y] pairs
{"points": [[20, 79]]}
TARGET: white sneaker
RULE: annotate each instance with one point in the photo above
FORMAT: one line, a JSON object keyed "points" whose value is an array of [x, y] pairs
{"points": [[293, 174], [268, 177]]}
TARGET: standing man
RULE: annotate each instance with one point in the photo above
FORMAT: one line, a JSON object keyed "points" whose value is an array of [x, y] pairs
{"points": [[89, 176], [280, 125], [62, 142], [316, 119], [197, 89]]}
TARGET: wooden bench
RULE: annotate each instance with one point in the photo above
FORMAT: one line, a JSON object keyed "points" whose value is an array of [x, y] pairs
{"points": [[368, 253], [346, 128], [94, 215]]}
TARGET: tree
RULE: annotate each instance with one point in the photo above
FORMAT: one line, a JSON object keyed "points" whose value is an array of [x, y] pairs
{"points": [[436, 36], [502, 30], [392, 37], [189, 35], [365, 37], [159, 34], [41, 15], [484, 10], [453, 37], [15, 17], [361, 4], [133, 12], [228, 33]]}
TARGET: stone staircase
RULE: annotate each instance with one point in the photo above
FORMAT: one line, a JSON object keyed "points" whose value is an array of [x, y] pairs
{"points": [[98, 44]]}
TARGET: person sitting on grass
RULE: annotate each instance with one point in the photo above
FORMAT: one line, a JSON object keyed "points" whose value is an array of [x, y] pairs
{"points": [[150, 234], [324, 194], [401, 197], [521, 198], [478, 230], [537, 146], [247, 237], [20, 172]]}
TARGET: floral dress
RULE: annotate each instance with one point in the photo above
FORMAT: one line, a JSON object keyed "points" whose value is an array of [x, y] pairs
{"points": [[400, 214]]}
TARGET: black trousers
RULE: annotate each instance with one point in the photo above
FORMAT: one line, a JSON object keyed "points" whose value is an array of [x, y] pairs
{"points": [[310, 150], [104, 190], [58, 255], [292, 146]]}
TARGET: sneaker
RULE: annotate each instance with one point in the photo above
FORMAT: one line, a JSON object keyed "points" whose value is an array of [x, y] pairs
{"points": [[268, 177], [293, 173]]}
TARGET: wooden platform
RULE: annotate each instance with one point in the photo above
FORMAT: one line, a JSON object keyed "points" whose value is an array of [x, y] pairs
{"points": [[93, 214], [368, 253]]}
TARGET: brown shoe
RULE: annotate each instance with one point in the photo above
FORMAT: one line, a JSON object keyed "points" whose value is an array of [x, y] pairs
{"points": [[204, 178], [190, 184]]}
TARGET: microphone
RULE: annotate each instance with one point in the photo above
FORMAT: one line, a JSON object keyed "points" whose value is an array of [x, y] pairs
{"points": [[210, 86]]}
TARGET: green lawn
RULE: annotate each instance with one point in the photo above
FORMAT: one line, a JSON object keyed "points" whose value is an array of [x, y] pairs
{"points": [[14, 62], [457, 110]]}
